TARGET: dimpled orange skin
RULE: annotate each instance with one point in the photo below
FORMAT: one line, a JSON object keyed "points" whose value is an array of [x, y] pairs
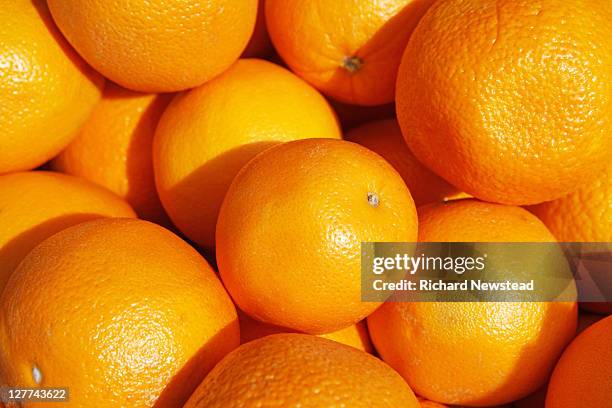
{"points": [[474, 354], [122, 311], [36, 205], [290, 230], [355, 336], [583, 375], [385, 138], [349, 49], [207, 134], [582, 216], [291, 370], [510, 100], [47, 90], [160, 45], [114, 149]]}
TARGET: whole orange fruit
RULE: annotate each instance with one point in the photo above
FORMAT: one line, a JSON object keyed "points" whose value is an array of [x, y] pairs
{"points": [[291, 226], [36, 205], [298, 370], [47, 90], [114, 148], [584, 215], [349, 49], [207, 134], [259, 45], [355, 336], [385, 138], [157, 45], [121, 311], [510, 100], [583, 375], [474, 353]]}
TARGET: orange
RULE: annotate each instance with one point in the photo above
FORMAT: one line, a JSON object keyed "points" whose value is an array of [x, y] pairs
{"points": [[351, 116], [157, 45], [114, 148], [355, 336], [207, 134], [259, 45], [47, 91], [297, 370], [385, 138], [583, 375], [121, 311], [36, 205], [430, 404], [510, 100], [468, 353], [584, 215], [290, 231], [349, 49]]}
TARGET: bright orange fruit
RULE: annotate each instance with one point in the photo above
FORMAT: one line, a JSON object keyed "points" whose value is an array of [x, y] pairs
{"points": [[114, 149], [291, 226], [47, 90], [121, 311], [510, 100], [298, 370], [468, 353], [207, 134], [36, 205], [385, 138], [349, 49], [355, 336], [157, 45], [583, 375]]}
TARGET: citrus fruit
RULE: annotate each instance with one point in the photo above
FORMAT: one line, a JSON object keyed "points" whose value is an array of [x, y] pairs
{"points": [[36, 205], [355, 336], [582, 216], [122, 311], [474, 353], [351, 116], [47, 90], [157, 45], [259, 45], [207, 134], [385, 138], [291, 226], [349, 49], [114, 148], [583, 375], [299, 370], [510, 101]]}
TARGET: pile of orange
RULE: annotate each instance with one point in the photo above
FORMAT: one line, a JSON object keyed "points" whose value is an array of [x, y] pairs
{"points": [[185, 188]]}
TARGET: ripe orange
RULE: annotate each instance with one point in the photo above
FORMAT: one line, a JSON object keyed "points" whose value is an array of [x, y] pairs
{"points": [[259, 45], [207, 134], [114, 148], [290, 230], [121, 311], [351, 116], [468, 353], [583, 376], [47, 91], [155, 45], [297, 370], [349, 49], [584, 215], [355, 336], [430, 404], [36, 205], [510, 101], [385, 138]]}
